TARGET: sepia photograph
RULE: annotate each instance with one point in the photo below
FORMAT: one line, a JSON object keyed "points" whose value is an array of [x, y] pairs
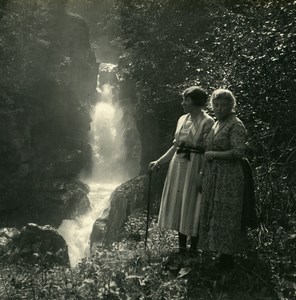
{"points": [[147, 149]]}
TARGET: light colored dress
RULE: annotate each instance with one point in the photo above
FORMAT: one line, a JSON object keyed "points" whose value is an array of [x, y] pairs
{"points": [[222, 191], [180, 202]]}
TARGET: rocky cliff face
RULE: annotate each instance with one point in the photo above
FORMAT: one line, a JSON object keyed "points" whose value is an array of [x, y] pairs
{"points": [[145, 129], [44, 126]]}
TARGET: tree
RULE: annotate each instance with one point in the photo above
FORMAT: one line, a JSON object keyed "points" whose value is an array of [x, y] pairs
{"points": [[248, 47]]}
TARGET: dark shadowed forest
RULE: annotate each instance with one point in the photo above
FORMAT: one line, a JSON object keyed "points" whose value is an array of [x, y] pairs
{"points": [[51, 52]]}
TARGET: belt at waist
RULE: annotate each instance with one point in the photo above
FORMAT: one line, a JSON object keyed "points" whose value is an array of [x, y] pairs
{"points": [[188, 150]]}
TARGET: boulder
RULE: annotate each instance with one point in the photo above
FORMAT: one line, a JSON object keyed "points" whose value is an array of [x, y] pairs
{"points": [[98, 233], [36, 244], [108, 73], [61, 199], [6, 236], [129, 197]]}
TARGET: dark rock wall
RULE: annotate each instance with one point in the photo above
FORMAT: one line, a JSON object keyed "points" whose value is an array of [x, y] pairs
{"points": [[141, 134], [44, 129], [131, 134]]}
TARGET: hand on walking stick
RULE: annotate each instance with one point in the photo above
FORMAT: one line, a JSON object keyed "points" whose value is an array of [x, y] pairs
{"points": [[154, 165]]}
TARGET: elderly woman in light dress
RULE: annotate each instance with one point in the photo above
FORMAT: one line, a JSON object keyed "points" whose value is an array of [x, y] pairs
{"points": [[203, 193]]}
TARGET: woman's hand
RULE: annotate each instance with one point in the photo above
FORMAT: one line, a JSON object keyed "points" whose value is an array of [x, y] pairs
{"points": [[209, 155], [154, 165]]}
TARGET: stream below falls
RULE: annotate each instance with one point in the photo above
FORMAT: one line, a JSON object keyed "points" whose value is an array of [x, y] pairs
{"points": [[77, 232]]}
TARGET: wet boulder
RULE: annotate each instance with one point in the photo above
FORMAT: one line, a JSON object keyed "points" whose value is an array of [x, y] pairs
{"points": [[128, 198], [61, 199], [37, 244], [98, 233]]}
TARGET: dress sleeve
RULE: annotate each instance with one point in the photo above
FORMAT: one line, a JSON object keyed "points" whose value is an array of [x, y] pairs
{"points": [[179, 123], [238, 135]]}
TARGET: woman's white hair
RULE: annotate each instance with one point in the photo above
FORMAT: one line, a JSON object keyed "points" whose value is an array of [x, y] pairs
{"points": [[223, 94]]}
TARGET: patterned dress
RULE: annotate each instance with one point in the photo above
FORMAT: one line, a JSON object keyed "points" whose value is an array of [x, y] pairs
{"points": [[222, 190], [180, 202]]}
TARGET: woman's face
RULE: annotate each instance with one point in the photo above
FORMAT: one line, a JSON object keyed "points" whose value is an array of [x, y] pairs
{"points": [[187, 104], [222, 108]]}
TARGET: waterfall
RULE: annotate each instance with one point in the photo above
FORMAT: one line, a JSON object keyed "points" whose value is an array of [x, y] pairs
{"points": [[77, 232], [108, 171], [107, 139]]}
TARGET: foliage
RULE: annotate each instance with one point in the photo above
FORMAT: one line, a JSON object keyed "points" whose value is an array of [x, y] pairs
{"points": [[127, 271], [248, 47], [21, 44]]}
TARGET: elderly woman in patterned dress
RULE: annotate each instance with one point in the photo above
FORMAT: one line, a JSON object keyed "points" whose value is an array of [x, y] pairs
{"points": [[223, 182], [180, 202]]}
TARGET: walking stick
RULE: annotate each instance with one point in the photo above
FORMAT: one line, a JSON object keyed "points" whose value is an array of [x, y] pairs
{"points": [[148, 206]]}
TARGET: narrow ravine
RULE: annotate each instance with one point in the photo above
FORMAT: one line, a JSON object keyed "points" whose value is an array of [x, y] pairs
{"points": [[108, 171]]}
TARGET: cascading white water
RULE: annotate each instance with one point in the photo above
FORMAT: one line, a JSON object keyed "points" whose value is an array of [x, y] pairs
{"points": [[106, 138], [77, 232]]}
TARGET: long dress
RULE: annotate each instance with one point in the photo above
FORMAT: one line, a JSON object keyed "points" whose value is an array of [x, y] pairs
{"points": [[180, 201], [222, 191]]}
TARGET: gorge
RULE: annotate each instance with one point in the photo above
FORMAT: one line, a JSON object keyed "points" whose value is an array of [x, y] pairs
{"points": [[63, 134], [109, 168]]}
